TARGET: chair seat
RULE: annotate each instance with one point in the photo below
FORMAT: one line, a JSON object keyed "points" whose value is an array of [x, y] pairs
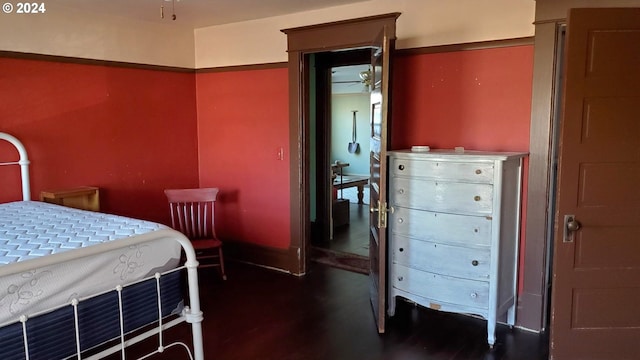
{"points": [[201, 244]]}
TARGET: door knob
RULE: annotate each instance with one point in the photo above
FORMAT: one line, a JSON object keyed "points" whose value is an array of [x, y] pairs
{"points": [[571, 225]]}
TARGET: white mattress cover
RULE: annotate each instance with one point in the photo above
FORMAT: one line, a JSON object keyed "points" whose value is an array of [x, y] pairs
{"points": [[33, 235]]}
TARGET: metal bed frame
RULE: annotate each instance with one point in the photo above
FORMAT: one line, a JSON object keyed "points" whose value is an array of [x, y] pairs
{"points": [[191, 314]]}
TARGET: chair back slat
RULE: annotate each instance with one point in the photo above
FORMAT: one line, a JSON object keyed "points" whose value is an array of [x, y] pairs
{"points": [[192, 211]]}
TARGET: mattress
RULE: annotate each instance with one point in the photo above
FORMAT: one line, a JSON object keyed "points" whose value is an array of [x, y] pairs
{"points": [[50, 254]]}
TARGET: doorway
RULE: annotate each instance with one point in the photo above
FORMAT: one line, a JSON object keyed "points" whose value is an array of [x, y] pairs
{"points": [[303, 44], [339, 137]]}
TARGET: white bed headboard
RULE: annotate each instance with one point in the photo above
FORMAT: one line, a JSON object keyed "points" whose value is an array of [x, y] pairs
{"points": [[23, 162]]}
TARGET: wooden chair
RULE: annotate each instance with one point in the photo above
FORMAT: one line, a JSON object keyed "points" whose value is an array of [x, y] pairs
{"points": [[192, 213]]}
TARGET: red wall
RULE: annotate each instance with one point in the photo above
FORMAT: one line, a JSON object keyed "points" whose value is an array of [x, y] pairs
{"points": [[478, 99], [243, 121], [135, 132], [131, 132]]}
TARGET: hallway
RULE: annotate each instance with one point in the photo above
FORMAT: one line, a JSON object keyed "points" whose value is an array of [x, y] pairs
{"points": [[349, 248]]}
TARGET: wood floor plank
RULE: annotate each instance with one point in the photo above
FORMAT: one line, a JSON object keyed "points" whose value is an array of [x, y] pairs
{"points": [[263, 314]]}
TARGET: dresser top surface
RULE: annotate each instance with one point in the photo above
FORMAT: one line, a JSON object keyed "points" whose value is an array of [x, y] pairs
{"points": [[451, 154]]}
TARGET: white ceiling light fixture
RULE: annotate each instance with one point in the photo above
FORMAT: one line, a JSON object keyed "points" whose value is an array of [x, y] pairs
{"points": [[173, 9], [351, 79], [365, 76]]}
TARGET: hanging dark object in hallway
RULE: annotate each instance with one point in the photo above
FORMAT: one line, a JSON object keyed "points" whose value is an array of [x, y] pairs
{"points": [[354, 147], [173, 9]]}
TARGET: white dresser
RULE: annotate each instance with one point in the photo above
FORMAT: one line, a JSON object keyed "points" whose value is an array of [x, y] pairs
{"points": [[454, 232]]}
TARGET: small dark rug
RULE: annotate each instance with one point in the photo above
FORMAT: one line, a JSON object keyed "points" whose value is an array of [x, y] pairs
{"points": [[341, 260]]}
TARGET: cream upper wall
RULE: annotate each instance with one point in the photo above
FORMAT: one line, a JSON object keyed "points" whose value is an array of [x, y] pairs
{"points": [[422, 23], [65, 32]]}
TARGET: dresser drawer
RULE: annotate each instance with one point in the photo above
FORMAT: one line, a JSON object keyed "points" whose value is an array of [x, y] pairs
{"points": [[440, 288], [462, 262], [480, 172], [444, 196], [441, 227]]}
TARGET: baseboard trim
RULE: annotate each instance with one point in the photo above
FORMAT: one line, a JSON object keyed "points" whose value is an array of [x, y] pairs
{"points": [[264, 256]]}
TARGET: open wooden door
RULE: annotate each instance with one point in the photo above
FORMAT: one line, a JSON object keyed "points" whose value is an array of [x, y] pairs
{"points": [[596, 270], [379, 122]]}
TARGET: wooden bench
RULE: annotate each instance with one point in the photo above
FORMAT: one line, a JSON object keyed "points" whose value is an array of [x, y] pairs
{"points": [[351, 181]]}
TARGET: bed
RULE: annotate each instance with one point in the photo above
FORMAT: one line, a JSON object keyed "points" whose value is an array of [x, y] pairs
{"points": [[82, 284]]}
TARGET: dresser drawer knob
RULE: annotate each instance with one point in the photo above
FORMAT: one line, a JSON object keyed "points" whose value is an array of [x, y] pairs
{"points": [[400, 278], [400, 191], [401, 167], [474, 295], [400, 220], [478, 171], [475, 263], [476, 198], [401, 249]]}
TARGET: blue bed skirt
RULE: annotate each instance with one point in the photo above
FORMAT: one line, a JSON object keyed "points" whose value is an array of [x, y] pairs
{"points": [[52, 335]]}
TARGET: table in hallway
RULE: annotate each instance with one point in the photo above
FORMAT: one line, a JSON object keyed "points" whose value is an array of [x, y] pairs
{"points": [[348, 181]]}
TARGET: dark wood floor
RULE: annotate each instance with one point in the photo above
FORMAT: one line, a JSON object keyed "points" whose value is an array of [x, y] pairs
{"points": [[352, 238], [263, 314]]}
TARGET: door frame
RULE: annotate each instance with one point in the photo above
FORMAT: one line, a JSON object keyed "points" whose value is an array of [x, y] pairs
{"points": [[550, 16], [302, 41]]}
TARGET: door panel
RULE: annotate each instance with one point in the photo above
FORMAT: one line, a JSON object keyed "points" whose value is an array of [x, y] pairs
{"points": [[379, 122], [595, 179], [596, 271]]}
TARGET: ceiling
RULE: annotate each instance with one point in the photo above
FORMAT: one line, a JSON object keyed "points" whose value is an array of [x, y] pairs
{"points": [[346, 79], [200, 13]]}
